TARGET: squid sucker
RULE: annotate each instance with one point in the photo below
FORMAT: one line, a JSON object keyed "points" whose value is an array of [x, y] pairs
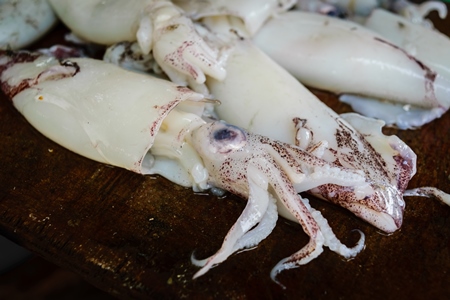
{"points": [[152, 126]]}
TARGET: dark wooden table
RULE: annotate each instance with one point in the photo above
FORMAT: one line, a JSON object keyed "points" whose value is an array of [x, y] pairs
{"points": [[133, 236]]}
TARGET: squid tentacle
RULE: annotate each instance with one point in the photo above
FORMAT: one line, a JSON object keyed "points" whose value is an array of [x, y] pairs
{"points": [[253, 237], [331, 241], [181, 52], [236, 158], [429, 192], [256, 207], [262, 230]]}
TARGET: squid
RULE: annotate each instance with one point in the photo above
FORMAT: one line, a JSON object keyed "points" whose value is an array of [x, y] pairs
{"points": [[285, 110], [418, 40], [156, 25], [414, 38], [325, 53], [329, 52], [250, 15], [360, 9], [394, 85], [298, 117], [24, 21], [152, 126], [404, 26]]}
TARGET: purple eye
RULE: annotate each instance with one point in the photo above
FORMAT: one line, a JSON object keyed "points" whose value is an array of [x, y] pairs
{"points": [[226, 138], [225, 134]]}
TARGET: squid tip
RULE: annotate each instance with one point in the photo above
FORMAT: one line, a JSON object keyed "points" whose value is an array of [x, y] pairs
{"points": [[360, 245], [273, 275], [198, 262]]}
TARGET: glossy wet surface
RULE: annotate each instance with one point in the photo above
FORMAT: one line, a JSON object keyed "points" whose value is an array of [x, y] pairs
{"points": [[132, 236]]}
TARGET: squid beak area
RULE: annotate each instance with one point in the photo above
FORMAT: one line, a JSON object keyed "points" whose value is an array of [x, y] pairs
{"points": [[381, 220], [382, 209]]}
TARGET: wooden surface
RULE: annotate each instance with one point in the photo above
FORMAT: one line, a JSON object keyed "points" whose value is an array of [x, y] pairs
{"points": [[133, 236]]}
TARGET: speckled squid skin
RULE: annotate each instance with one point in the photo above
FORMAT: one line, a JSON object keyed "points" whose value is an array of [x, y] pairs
{"points": [[228, 150], [155, 25], [9, 59], [114, 116], [236, 159], [388, 183], [285, 110]]}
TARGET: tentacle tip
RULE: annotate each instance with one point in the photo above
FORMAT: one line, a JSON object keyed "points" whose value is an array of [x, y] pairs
{"points": [[203, 270], [361, 234], [273, 276], [279, 267], [198, 274], [198, 262], [205, 265], [360, 245], [198, 76]]}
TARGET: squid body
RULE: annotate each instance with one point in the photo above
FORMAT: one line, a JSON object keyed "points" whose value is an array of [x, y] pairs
{"points": [[151, 126], [416, 39], [282, 140], [322, 52], [346, 58]]}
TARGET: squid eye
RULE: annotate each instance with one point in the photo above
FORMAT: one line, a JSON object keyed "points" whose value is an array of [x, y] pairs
{"points": [[225, 134], [227, 138]]}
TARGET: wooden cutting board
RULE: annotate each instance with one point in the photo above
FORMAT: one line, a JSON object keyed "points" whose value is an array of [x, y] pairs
{"points": [[133, 235]]}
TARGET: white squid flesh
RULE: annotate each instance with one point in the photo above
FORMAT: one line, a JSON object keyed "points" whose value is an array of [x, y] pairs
{"points": [[252, 13], [24, 21], [284, 110], [151, 126], [418, 95], [157, 26], [326, 53], [426, 44], [344, 57], [345, 160], [358, 10]]}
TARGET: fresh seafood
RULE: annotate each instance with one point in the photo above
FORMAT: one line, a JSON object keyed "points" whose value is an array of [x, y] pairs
{"points": [[360, 9], [330, 52], [23, 22], [156, 25], [298, 117], [387, 161], [151, 126], [322, 43], [421, 42], [251, 14], [326, 53], [426, 44]]}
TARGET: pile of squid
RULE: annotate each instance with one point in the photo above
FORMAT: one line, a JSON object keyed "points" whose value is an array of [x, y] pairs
{"points": [[209, 95]]}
